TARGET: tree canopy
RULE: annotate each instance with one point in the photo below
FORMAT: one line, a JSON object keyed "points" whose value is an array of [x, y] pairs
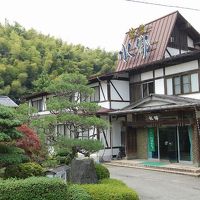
{"points": [[68, 105], [9, 152], [26, 55]]}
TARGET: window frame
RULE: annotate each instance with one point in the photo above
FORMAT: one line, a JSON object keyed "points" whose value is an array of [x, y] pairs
{"points": [[95, 100], [40, 107], [147, 84], [181, 83]]}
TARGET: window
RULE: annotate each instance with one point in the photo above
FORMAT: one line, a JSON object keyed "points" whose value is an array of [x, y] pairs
{"points": [[62, 130], [169, 86], [194, 82], [177, 85], [38, 104], [95, 96], [184, 84], [147, 89]]}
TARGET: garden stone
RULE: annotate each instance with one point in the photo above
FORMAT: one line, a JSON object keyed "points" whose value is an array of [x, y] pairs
{"points": [[83, 171]]}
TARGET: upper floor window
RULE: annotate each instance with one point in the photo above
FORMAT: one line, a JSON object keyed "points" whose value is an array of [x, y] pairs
{"points": [[38, 104], [183, 84], [141, 90], [147, 89], [95, 97]]}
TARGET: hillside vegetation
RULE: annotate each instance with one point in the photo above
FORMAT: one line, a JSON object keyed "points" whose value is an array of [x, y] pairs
{"points": [[26, 56]]}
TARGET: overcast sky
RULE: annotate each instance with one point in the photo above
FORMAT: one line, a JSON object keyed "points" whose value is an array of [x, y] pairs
{"points": [[92, 23]]}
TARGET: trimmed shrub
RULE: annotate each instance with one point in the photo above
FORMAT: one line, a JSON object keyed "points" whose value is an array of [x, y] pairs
{"points": [[40, 188], [114, 182], [64, 156], [102, 172], [75, 192], [110, 190], [50, 163], [24, 170]]}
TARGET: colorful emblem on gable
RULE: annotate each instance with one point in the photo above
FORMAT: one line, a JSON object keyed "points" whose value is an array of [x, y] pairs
{"points": [[138, 43]]}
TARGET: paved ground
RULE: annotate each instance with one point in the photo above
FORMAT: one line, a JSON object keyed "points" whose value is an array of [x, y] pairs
{"points": [[152, 185]]}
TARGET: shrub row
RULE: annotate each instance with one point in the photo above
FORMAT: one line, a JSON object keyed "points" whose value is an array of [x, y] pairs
{"points": [[110, 190], [34, 188]]}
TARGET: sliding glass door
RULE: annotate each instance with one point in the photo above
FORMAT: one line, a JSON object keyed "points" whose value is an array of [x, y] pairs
{"points": [[185, 143], [168, 144]]}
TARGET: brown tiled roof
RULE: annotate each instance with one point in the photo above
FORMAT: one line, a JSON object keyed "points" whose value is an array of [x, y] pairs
{"points": [[103, 110], [159, 33]]}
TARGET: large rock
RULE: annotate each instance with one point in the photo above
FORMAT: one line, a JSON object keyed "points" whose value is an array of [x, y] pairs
{"points": [[83, 171]]}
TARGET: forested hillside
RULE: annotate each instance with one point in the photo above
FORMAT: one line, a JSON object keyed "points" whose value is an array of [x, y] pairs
{"points": [[26, 54]]}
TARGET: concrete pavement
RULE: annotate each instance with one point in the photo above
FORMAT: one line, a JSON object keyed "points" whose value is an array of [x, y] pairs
{"points": [[153, 185]]}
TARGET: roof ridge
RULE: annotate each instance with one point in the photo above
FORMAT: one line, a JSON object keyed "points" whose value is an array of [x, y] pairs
{"points": [[159, 19], [163, 17], [176, 97]]}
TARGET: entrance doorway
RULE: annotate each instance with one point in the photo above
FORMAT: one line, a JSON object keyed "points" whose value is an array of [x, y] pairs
{"points": [[131, 142], [185, 143], [168, 144]]}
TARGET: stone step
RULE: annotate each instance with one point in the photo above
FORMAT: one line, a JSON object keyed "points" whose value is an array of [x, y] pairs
{"points": [[182, 170]]}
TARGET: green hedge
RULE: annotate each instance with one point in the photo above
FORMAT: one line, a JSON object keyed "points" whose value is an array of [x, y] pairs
{"points": [[101, 171], [114, 182], [24, 170], [34, 188], [110, 190], [76, 192]]}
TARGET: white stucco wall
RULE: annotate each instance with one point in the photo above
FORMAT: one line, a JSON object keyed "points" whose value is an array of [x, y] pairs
{"points": [[158, 72], [173, 52], [119, 105], [159, 86], [122, 87], [104, 104], [183, 67], [146, 75], [116, 133], [194, 96]]}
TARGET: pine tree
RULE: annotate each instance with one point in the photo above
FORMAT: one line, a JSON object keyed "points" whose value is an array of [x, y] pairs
{"points": [[9, 153]]}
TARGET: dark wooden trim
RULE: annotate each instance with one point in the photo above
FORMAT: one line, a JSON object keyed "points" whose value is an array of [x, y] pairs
{"points": [[154, 88], [120, 79], [115, 147], [101, 91], [165, 82], [108, 93], [105, 138], [110, 122], [199, 73], [116, 91], [160, 123], [119, 101], [168, 52]]}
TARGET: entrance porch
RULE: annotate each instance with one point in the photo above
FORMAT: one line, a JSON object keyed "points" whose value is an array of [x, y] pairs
{"points": [[162, 128]]}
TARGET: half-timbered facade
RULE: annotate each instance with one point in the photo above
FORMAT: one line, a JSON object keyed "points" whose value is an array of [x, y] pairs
{"points": [[162, 120], [152, 100]]}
